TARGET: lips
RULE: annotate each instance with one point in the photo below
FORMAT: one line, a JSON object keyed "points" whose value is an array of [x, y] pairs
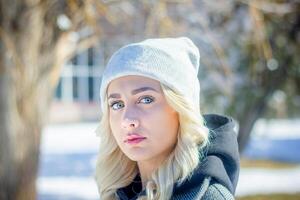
{"points": [[135, 141], [134, 138]]}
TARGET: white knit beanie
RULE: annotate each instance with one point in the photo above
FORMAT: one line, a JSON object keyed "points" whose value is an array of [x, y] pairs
{"points": [[171, 61]]}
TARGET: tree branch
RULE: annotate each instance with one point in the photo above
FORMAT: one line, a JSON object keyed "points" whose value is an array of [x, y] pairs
{"points": [[270, 7]]}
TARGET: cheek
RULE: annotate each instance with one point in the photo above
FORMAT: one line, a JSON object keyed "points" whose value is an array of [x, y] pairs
{"points": [[114, 123], [164, 121], [172, 124]]}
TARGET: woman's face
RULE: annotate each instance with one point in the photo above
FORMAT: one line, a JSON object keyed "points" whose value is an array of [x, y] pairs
{"points": [[138, 109]]}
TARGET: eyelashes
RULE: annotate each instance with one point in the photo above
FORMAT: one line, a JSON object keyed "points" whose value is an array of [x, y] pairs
{"points": [[112, 105], [144, 99], [149, 98]]}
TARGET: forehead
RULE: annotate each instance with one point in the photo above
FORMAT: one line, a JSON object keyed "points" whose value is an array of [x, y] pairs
{"points": [[130, 82]]}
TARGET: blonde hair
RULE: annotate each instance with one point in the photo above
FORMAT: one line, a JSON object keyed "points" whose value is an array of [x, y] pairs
{"points": [[192, 135]]}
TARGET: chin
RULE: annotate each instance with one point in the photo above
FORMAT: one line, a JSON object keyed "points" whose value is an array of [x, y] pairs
{"points": [[137, 156]]}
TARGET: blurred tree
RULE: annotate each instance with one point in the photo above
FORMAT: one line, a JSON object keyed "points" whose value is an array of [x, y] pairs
{"points": [[36, 38], [272, 54], [250, 59]]}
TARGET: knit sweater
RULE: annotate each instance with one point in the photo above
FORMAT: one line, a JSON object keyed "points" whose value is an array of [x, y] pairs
{"points": [[217, 174], [208, 190]]}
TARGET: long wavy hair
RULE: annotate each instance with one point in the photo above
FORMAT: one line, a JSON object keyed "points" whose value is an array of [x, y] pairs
{"points": [[115, 170]]}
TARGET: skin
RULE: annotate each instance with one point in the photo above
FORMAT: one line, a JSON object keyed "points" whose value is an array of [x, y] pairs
{"points": [[147, 113]]}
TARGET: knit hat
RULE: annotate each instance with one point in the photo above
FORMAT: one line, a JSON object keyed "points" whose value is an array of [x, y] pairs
{"points": [[171, 61]]}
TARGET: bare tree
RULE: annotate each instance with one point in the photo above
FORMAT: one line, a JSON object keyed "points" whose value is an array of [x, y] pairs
{"points": [[36, 38], [249, 54]]}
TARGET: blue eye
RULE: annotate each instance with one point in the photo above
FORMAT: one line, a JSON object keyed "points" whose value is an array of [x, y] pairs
{"points": [[146, 100], [116, 105]]}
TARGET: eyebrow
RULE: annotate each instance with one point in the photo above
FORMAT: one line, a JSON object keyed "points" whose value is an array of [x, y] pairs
{"points": [[133, 92]]}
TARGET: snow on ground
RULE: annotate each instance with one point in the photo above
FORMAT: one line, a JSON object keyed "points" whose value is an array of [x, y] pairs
{"points": [[266, 181], [70, 138], [69, 154], [81, 188], [277, 128]]}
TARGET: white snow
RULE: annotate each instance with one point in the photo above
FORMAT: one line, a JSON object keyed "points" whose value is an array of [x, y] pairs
{"points": [[277, 128], [70, 138], [267, 181], [84, 188]]}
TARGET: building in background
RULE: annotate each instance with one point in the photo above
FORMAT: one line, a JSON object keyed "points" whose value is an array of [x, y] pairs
{"points": [[77, 93]]}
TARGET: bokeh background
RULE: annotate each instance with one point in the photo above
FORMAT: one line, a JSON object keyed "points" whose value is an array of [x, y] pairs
{"points": [[53, 53]]}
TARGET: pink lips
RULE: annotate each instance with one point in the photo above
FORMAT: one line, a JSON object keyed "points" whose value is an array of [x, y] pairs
{"points": [[134, 138]]}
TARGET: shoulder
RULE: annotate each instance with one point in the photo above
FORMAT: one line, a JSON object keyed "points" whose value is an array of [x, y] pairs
{"points": [[217, 191]]}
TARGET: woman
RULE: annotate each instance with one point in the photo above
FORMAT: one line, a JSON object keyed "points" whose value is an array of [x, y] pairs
{"points": [[154, 142]]}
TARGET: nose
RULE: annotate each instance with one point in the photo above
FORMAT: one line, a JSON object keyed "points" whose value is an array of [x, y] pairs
{"points": [[130, 117], [130, 123]]}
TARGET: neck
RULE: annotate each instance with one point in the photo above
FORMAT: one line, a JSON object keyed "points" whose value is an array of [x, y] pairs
{"points": [[146, 169]]}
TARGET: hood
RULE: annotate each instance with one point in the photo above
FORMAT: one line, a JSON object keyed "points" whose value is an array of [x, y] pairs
{"points": [[221, 157]]}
